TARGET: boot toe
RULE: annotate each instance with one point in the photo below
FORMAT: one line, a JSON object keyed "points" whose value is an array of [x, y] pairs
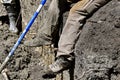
{"points": [[49, 75], [36, 42], [29, 43], [13, 30], [33, 43]]}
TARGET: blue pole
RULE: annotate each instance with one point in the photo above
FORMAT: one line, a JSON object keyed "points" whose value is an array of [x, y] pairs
{"points": [[23, 34]]}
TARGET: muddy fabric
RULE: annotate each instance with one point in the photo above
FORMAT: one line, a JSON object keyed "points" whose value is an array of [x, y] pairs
{"points": [[81, 10], [51, 20], [72, 29]]}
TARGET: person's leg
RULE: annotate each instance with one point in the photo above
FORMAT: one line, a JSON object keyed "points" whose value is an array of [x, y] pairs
{"points": [[13, 10], [72, 29], [50, 23]]}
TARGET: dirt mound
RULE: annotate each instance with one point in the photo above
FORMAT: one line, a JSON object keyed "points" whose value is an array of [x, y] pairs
{"points": [[98, 48], [24, 64]]}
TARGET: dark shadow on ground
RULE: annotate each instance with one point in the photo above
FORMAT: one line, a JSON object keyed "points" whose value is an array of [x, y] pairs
{"points": [[4, 19]]}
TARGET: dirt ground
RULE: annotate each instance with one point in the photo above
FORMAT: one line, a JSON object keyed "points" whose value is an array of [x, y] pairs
{"points": [[27, 63]]}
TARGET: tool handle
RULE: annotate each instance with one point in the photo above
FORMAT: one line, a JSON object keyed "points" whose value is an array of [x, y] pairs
{"points": [[43, 2]]}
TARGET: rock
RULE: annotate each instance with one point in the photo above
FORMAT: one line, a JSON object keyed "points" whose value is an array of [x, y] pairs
{"points": [[98, 48]]}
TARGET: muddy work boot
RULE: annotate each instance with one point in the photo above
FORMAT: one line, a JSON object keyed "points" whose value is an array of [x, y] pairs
{"points": [[12, 15], [38, 41], [58, 66], [12, 21]]}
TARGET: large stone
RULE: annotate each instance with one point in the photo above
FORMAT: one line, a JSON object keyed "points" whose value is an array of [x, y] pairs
{"points": [[98, 47]]}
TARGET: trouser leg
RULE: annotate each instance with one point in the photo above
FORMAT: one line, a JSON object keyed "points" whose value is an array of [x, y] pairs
{"points": [[13, 8], [49, 24], [54, 13], [72, 29]]}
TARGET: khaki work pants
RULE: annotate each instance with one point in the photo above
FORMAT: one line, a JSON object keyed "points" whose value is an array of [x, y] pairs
{"points": [[72, 29], [75, 21]]}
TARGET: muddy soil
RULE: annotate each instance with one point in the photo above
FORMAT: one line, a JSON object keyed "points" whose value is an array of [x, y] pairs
{"points": [[100, 35], [26, 64], [98, 48]]}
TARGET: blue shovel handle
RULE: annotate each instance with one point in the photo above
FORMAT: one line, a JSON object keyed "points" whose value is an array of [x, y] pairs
{"points": [[23, 34], [43, 2]]}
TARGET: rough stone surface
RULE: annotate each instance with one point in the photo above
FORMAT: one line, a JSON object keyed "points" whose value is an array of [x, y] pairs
{"points": [[98, 47]]}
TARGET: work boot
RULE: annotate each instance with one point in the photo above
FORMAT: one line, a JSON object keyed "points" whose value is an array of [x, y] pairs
{"points": [[12, 15], [38, 41], [58, 66], [12, 22]]}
